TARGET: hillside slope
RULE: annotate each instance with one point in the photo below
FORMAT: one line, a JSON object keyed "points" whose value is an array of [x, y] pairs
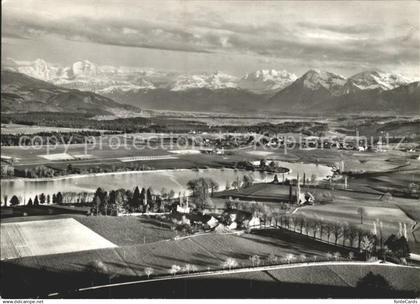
{"points": [[21, 93]]}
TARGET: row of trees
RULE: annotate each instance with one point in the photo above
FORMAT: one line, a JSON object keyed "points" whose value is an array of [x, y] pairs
{"points": [[44, 171], [44, 199], [337, 233], [256, 261], [343, 234]]}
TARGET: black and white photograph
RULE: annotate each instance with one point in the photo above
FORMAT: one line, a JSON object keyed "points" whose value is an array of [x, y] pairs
{"points": [[209, 149]]}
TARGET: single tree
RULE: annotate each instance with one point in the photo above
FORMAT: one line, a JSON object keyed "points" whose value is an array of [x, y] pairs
{"points": [[149, 196], [36, 201], [136, 200], [213, 185], [362, 212], [14, 201], [247, 181], [188, 268], [255, 260], [174, 269], [337, 231], [194, 268], [5, 197], [42, 198], [272, 259], [366, 246], [148, 271], [230, 263], [290, 258], [59, 198], [352, 234]]}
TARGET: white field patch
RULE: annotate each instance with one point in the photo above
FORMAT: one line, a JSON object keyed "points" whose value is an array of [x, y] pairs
{"points": [[145, 158], [32, 238], [8, 158], [83, 156], [57, 156], [185, 152], [260, 153]]}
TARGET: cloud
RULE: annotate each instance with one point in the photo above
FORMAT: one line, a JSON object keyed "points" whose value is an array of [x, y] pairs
{"points": [[128, 31], [344, 28], [141, 35], [350, 38]]}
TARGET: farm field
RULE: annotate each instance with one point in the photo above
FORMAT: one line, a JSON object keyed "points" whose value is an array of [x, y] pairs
{"points": [[128, 262], [24, 213], [353, 160], [396, 182], [106, 149], [32, 238], [121, 231]]}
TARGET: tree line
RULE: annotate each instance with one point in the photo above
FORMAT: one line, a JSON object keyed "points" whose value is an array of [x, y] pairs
{"points": [[51, 138]]}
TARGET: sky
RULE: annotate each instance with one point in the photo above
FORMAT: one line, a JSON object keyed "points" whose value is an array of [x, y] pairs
{"points": [[235, 37]]}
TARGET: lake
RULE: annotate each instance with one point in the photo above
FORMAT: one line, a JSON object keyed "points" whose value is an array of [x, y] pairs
{"points": [[169, 179]]}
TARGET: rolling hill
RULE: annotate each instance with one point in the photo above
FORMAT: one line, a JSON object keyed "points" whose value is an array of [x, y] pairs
{"points": [[21, 93]]}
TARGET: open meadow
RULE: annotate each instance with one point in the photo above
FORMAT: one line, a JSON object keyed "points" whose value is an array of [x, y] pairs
{"points": [[127, 263], [34, 238], [121, 231]]}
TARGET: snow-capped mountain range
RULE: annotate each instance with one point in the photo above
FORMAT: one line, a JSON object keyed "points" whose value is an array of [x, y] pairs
{"points": [[213, 81], [87, 76], [263, 81], [316, 79], [265, 91], [375, 79]]}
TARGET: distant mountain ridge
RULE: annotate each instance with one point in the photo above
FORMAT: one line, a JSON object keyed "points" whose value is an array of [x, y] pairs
{"points": [[266, 81], [21, 93], [85, 75], [260, 91], [324, 92]]}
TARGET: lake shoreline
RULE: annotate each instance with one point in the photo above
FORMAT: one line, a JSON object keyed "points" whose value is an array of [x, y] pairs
{"points": [[174, 179], [72, 176]]}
